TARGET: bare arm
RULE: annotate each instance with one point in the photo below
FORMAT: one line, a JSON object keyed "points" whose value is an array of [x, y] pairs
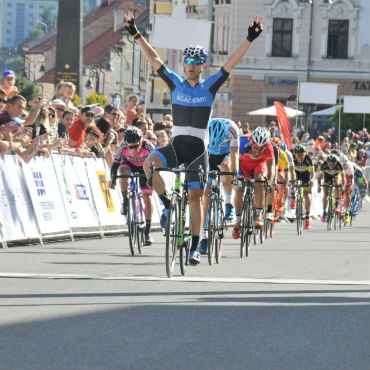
{"points": [[253, 32], [146, 48]]}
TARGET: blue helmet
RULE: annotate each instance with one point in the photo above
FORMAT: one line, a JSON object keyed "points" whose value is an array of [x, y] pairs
{"points": [[217, 131], [196, 51]]}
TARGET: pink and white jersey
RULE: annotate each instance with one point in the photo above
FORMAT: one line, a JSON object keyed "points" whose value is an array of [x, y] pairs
{"points": [[348, 169], [124, 154]]}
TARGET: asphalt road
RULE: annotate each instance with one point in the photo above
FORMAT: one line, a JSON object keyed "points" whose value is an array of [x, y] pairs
{"points": [[297, 302]]}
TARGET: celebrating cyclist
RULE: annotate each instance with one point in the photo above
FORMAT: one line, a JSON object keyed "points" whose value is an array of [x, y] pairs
{"points": [[332, 171], [192, 99], [257, 161], [223, 155], [305, 172], [130, 158]]}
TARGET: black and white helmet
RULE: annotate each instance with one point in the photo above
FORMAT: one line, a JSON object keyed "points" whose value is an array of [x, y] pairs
{"points": [[132, 135], [196, 51], [260, 136]]}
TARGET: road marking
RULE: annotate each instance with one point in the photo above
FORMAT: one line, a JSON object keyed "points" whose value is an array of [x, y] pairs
{"points": [[25, 275]]}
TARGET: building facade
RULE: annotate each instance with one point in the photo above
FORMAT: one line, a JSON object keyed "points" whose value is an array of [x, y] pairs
{"points": [[20, 17], [283, 56]]}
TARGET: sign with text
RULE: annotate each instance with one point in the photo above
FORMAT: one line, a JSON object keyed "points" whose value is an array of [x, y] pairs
{"points": [[68, 65]]}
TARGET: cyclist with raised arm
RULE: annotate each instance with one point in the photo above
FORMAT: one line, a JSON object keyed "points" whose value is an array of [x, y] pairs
{"points": [[192, 99], [333, 173], [256, 161], [304, 171], [130, 157], [223, 155], [348, 168]]}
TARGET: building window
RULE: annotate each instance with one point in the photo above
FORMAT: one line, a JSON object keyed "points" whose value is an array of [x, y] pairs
{"points": [[282, 37], [9, 5], [31, 6], [338, 39]]}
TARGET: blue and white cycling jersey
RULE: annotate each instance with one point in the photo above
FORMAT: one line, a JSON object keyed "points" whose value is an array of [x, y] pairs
{"points": [[231, 140], [192, 106]]}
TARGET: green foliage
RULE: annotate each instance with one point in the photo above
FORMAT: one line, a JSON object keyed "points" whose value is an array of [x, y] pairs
{"points": [[350, 120], [26, 88], [48, 20], [76, 100], [96, 98]]}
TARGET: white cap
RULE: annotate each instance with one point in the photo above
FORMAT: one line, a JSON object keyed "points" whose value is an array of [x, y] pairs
{"points": [[57, 102]]}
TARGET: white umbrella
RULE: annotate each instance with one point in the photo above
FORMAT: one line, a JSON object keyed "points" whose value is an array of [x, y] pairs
{"points": [[271, 111], [325, 112]]}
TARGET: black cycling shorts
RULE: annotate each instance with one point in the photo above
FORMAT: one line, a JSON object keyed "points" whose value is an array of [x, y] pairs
{"points": [[189, 151]]}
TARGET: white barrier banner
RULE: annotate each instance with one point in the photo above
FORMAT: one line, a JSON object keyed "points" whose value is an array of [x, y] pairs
{"points": [[76, 191], [107, 202], [16, 213], [47, 202]]}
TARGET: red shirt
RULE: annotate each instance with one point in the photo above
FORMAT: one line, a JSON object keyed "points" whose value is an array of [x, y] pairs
{"points": [[77, 132], [131, 114]]}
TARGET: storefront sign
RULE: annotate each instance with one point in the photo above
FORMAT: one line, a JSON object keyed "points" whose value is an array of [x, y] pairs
{"points": [[362, 85], [273, 80]]}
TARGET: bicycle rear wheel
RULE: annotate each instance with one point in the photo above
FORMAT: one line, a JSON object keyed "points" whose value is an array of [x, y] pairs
{"points": [[298, 212], [131, 223], [185, 247], [211, 217], [330, 213], [220, 233], [172, 235]]}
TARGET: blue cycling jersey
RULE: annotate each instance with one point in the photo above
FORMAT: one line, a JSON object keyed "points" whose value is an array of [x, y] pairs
{"points": [[192, 106], [245, 144]]}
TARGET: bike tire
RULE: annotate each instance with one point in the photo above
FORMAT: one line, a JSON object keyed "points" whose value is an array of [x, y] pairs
{"points": [[220, 233], [299, 215], [141, 228], [172, 235], [245, 228], [211, 216], [131, 223], [185, 247]]}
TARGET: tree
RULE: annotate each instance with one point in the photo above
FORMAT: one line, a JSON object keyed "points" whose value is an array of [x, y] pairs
{"points": [[26, 88], [351, 121], [47, 23], [96, 98]]}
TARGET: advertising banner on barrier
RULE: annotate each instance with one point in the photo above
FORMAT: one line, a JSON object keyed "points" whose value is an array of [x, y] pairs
{"points": [[107, 201], [76, 192], [47, 202], [16, 213]]}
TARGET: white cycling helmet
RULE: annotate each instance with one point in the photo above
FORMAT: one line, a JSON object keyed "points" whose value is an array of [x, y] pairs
{"points": [[260, 136], [343, 158]]}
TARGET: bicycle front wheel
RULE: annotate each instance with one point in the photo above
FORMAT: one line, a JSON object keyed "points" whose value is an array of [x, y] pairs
{"points": [[220, 233], [131, 223], [211, 217], [330, 213], [246, 227], [172, 235], [298, 212]]}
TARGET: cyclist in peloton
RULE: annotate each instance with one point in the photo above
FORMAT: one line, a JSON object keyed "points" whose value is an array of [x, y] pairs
{"points": [[130, 157], [256, 161], [332, 171], [349, 177], [192, 100], [305, 171], [223, 155]]}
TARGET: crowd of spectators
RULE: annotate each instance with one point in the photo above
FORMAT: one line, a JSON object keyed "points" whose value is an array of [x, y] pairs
{"points": [[42, 126]]}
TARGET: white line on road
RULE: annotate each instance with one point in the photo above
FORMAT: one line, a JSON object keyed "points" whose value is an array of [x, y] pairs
{"points": [[25, 275]]}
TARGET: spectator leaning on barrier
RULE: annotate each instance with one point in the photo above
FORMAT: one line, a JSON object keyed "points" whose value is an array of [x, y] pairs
{"points": [[77, 131], [53, 122], [59, 106], [8, 83], [65, 124], [93, 140]]}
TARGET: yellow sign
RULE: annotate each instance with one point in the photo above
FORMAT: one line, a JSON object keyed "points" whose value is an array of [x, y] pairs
{"points": [[103, 181]]}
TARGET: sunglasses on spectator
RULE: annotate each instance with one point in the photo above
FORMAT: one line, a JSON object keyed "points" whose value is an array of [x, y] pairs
{"points": [[51, 115], [3, 101], [60, 109], [92, 133], [169, 132], [114, 114], [133, 146], [194, 62]]}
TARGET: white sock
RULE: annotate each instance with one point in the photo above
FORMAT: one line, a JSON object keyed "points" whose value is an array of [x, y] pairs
{"points": [[228, 198]]}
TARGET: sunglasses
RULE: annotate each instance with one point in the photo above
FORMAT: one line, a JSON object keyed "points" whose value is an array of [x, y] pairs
{"points": [[93, 134], [51, 115], [133, 146], [168, 132], [114, 114], [257, 146], [300, 155], [194, 62], [3, 101], [60, 109]]}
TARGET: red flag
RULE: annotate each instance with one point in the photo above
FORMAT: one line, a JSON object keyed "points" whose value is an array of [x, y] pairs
{"points": [[283, 122]]}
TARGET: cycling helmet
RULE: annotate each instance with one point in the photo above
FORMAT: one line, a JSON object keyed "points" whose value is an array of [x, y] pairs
{"points": [[331, 159], [299, 149], [343, 158], [320, 138], [260, 136], [133, 135], [361, 153], [196, 51], [276, 140], [217, 131]]}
